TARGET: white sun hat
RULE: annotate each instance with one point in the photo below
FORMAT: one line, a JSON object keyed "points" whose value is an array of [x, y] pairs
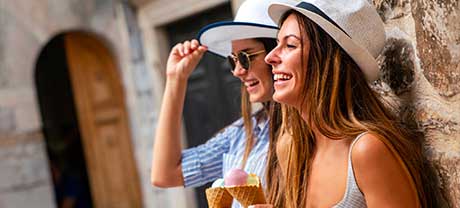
{"points": [[251, 21], [354, 24]]}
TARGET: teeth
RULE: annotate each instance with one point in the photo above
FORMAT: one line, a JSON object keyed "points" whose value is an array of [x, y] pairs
{"points": [[250, 83], [277, 77]]}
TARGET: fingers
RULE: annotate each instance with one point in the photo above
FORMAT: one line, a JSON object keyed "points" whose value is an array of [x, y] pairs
{"points": [[194, 44], [202, 48], [189, 47], [196, 55], [178, 49], [186, 48]]}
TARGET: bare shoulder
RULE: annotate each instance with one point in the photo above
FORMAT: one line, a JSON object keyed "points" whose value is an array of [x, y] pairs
{"points": [[379, 173], [371, 153], [368, 148]]}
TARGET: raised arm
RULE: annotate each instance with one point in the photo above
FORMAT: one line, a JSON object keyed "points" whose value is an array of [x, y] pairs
{"points": [[166, 168], [380, 175]]}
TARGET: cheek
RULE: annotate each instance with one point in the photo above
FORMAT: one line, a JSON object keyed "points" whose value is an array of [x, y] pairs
{"points": [[263, 72], [298, 70], [291, 60], [267, 84], [268, 78], [295, 59]]}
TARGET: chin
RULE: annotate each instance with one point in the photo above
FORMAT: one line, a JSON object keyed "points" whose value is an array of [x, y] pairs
{"points": [[257, 98], [282, 98], [254, 98], [278, 98]]}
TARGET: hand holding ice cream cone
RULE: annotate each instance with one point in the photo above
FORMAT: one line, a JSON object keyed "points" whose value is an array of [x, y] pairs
{"points": [[245, 188]]}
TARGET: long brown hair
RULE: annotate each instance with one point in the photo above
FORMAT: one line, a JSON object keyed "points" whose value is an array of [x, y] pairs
{"points": [[246, 109], [339, 103]]}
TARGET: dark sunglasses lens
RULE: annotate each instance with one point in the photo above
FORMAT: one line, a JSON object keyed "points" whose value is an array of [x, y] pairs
{"points": [[231, 62], [244, 60]]}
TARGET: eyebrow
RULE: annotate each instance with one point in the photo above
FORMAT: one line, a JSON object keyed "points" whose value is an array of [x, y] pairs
{"points": [[287, 36]]}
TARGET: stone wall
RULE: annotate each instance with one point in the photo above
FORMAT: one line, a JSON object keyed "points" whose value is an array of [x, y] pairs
{"points": [[24, 173], [25, 28], [421, 72]]}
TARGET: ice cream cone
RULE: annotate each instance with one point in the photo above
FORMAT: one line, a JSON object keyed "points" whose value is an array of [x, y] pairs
{"points": [[247, 194], [218, 197]]}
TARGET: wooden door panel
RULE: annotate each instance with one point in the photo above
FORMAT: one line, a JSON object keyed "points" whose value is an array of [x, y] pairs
{"points": [[103, 123], [109, 139], [100, 91]]}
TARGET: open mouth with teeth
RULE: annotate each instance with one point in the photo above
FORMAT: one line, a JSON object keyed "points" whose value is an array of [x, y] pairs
{"points": [[281, 77], [251, 83]]}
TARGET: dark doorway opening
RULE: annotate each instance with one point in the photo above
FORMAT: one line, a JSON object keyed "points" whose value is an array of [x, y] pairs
{"points": [[60, 127], [213, 94]]}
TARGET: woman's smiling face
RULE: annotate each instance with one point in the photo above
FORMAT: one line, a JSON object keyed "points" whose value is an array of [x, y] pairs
{"points": [[258, 78], [286, 59]]}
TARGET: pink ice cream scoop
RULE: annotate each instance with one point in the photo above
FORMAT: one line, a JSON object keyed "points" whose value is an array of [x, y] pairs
{"points": [[235, 177]]}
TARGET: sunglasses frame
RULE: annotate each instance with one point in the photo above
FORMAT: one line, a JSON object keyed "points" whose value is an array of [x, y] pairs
{"points": [[232, 59]]}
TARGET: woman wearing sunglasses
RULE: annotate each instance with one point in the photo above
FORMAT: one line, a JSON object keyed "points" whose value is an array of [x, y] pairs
{"points": [[347, 149], [243, 144]]}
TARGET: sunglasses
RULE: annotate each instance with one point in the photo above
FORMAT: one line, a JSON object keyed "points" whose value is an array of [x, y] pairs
{"points": [[242, 57]]}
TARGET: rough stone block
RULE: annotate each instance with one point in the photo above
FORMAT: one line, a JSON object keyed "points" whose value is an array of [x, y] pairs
{"points": [[392, 9], [7, 120], [2, 70], [3, 76], [23, 162], [438, 42], [397, 65], [445, 157], [3, 18], [420, 62], [38, 196], [22, 45], [27, 116]]}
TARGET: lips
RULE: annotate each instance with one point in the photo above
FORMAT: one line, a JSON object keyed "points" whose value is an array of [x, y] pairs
{"points": [[251, 83]]}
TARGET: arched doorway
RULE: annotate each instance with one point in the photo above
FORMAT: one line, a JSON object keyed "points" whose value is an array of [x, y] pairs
{"points": [[81, 97]]}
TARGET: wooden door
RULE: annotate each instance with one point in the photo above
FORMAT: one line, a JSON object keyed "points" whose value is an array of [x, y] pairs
{"points": [[103, 122]]}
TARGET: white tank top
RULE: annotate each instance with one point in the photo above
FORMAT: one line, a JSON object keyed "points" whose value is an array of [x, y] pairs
{"points": [[353, 197]]}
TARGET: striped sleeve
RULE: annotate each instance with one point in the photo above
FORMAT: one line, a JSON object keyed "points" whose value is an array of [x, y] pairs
{"points": [[203, 163]]}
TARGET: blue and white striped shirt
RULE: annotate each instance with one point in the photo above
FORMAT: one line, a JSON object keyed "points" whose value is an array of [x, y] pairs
{"points": [[210, 161]]}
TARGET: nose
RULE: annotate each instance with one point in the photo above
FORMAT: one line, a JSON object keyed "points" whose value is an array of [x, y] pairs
{"points": [[239, 71], [272, 58]]}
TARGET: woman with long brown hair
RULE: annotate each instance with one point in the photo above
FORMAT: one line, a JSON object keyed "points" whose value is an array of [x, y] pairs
{"points": [[345, 147], [242, 144]]}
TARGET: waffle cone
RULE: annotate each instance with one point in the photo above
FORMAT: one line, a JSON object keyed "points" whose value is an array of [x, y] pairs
{"points": [[247, 195], [218, 198]]}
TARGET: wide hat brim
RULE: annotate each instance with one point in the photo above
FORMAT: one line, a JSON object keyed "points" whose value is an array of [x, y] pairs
{"points": [[361, 56], [218, 36]]}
